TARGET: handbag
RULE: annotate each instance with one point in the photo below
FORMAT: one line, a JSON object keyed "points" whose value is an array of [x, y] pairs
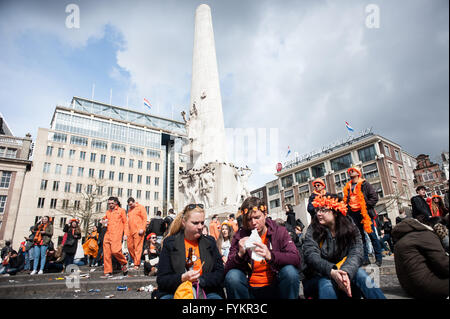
{"points": [[184, 291], [154, 261]]}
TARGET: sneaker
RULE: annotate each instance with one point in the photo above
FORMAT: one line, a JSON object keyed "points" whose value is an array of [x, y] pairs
{"points": [[40, 272], [132, 265], [366, 262], [125, 270], [136, 267], [33, 272], [107, 276], [378, 263]]}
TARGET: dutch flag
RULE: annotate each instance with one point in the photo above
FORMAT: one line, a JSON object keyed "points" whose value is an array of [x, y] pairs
{"points": [[147, 103], [289, 152], [349, 128]]}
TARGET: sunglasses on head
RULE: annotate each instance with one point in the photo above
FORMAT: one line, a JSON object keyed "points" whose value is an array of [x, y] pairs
{"points": [[153, 237], [193, 206]]}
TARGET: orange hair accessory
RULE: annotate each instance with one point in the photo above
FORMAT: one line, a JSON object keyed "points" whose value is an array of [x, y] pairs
{"points": [[319, 181], [262, 208], [330, 203]]}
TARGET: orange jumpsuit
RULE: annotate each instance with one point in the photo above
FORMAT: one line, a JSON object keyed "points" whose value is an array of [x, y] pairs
{"points": [[137, 220], [112, 243], [214, 229]]}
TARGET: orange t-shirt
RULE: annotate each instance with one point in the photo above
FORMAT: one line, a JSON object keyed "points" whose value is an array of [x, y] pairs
{"points": [[262, 275], [195, 254], [354, 203]]}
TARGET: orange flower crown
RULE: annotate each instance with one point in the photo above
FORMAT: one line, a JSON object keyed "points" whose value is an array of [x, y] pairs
{"points": [[330, 203], [262, 208]]}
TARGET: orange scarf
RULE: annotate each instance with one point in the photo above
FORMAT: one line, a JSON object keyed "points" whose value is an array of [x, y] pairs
{"points": [[360, 197], [38, 240]]}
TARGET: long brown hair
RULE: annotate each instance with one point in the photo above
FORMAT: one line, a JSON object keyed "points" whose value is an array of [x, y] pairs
{"points": [[177, 225], [220, 240]]}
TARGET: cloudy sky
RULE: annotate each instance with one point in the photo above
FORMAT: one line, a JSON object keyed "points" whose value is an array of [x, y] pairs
{"points": [[300, 67]]}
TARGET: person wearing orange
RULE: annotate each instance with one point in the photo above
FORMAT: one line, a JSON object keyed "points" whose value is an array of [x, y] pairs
{"points": [[214, 227], [90, 246], [361, 198], [276, 274], [188, 255], [137, 222], [319, 190], [437, 206], [233, 223], [117, 229]]}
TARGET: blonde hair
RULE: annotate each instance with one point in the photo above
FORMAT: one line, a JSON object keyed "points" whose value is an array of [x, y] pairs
{"points": [[177, 225]]}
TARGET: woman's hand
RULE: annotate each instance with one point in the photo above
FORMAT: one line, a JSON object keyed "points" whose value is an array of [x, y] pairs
{"points": [[263, 251], [191, 275], [242, 249], [342, 280]]}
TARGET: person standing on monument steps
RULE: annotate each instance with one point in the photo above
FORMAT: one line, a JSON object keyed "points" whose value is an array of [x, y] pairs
{"points": [[319, 190], [361, 199], [117, 229], [137, 221]]}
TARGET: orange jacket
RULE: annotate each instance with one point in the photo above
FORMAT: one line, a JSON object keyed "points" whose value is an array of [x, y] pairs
{"points": [[137, 219], [117, 224]]}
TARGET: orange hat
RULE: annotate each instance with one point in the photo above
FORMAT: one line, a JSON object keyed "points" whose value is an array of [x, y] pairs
{"points": [[354, 168], [320, 181]]}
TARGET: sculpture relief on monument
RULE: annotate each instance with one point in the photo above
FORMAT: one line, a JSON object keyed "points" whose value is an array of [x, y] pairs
{"points": [[209, 179]]}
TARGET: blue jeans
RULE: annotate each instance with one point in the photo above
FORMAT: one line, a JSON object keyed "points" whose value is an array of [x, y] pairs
{"points": [[375, 244], [39, 252], [211, 295], [325, 288], [27, 260], [286, 285]]}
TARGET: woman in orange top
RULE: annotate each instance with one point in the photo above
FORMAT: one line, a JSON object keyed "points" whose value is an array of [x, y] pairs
{"points": [[188, 255]]}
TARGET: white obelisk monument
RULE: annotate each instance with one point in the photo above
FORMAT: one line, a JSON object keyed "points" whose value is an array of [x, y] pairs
{"points": [[209, 179]]}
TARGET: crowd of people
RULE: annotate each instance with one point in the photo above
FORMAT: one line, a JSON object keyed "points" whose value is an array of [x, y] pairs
{"points": [[253, 256]]}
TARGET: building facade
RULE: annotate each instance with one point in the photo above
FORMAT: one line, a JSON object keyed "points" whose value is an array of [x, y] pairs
{"points": [[382, 163], [15, 162], [430, 175], [93, 151]]}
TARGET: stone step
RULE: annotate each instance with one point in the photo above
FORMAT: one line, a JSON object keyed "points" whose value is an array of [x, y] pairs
{"points": [[22, 288], [96, 273]]}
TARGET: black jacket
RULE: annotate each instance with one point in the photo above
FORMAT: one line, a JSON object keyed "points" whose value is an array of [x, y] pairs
{"points": [[320, 260], [157, 226], [387, 227], [71, 249], [172, 265], [290, 218], [420, 207]]}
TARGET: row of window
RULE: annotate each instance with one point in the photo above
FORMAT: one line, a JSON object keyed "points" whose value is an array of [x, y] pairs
{"points": [[8, 152], [96, 128], [387, 152], [5, 179], [75, 205], [91, 172], [93, 157], [2, 203], [88, 188]]}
